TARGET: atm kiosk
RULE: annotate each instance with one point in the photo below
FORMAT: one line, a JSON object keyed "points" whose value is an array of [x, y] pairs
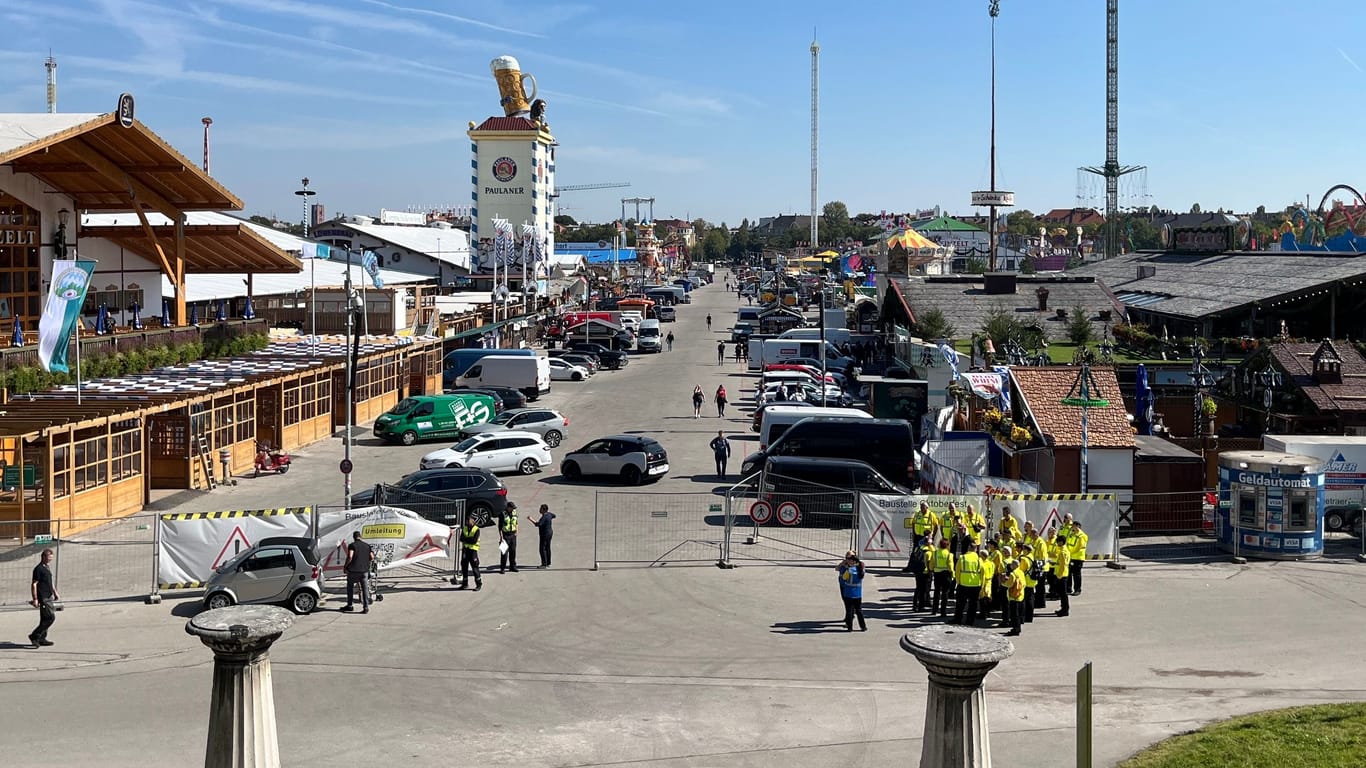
{"points": [[1270, 505]]}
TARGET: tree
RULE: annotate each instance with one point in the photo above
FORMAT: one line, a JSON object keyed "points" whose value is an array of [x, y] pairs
{"points": [[1195, 208], [1027, 266], [1001, 326], [739, 242], [1022, 222], [976, 267], [1079, 328], [565, 220], [714, 245], [932, 325], [835, 213]]}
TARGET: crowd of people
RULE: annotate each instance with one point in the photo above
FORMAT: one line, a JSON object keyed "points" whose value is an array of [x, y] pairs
{"points": [[1012, 571]]}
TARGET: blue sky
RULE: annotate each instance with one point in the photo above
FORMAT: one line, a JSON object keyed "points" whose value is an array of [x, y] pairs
{"points": [[705, 105]]}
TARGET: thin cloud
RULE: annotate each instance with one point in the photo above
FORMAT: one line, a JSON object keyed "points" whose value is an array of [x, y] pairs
{"points": [[451, 17], [1348, 59], [331, 14], [683, 103], [339, 137]]}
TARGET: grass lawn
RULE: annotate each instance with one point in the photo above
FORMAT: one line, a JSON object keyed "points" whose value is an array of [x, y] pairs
{"points": [[1060, 352], [1326, 736]]}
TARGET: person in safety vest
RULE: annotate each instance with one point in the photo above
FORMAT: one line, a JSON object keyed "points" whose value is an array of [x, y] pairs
{"points": [[1013, 584], [1038, 546], [1000, 555], [507, 532], [1076, 547], [469, 555], [921, 554], [1060, 556], [1009, 527], [1030, 571], [989, 571], [969, 574], [923, 525], [975, 524], [941, 568]]}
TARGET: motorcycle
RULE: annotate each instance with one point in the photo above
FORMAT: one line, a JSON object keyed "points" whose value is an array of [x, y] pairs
{"points": [[270, 460]]}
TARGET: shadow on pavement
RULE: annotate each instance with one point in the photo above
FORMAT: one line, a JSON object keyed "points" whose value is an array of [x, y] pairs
{"points": [[808, 627]]}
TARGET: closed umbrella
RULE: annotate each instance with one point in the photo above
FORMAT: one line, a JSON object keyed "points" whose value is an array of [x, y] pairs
{"points": [[1143, 401], [222, 314], [102, 320], [165, 312], [137, 317], [194, 314], [18, 339], [249, 311]]}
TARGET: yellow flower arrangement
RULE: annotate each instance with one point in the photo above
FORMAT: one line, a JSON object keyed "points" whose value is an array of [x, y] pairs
{"points": [[992, 416], [1021, 436]]}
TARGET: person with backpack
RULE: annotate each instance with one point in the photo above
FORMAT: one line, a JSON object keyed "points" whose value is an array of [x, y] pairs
{"points": [[721, 401], [923, 525], [1032, 571], [941, 570], [919, 567]]}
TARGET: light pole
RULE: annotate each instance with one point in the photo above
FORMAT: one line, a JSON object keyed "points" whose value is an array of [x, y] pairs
{"points": [[306, 193], [346, 465]]}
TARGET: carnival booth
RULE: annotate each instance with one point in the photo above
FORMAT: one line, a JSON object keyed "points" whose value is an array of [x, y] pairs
{"points": [[1270, 505]]}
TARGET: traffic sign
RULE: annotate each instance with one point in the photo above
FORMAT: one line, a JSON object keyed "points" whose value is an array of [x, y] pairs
{"points": [[347, 466]]}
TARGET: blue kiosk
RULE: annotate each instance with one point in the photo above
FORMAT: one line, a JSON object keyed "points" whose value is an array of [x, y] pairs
{"points": [[1270, 505]]}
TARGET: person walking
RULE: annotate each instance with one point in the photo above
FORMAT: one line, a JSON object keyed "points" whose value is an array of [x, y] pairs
{"points": [[44, 595], [359, 555], [720, 352], [507, 533], [1076, 548], [469, 555], [1013, 585], [670, 340], [739, 351], [545, 529], [920, 568], [941, 568], [851, 591], [709, 321], [923, 525], [698, 397], [968, 575], [720, 450], [721, 401], [1061, 559]]}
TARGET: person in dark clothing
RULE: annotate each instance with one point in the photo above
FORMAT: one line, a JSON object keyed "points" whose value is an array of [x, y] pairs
{"points": [[709, 322], [507, 532], [720, 352], [545, 528], [44, 596], [698, 397], [358, 558], [469, 555], [851, 590], [721, 402], [720, 450], [919, 566]]}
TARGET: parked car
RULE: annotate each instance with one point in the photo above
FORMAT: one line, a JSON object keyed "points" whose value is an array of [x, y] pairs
{"points": [[833, 396], [552, 426], [444, 495], [757, 419], [589, 363], [563, 370], [888, 445], [280, 569], [501, 451], [513, 398], [807, 483], [633, 458], [740, 332], [667, 314], [499, 405], [611, 358], [428, 416]]}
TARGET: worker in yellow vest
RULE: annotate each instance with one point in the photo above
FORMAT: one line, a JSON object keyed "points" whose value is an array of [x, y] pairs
{"points": [[1061, 557], [1076, 545], [1038, 547], [921, 555], [924, 523], [1014, 588], [975, 524], [1009, 526], [941, 569], [989, 571], [1031, 571], [968, 574]]}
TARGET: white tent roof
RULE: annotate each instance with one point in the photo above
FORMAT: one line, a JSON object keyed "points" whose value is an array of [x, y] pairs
{"points": [[449, 245], [279, 238], [17, 130], [330, 274]]}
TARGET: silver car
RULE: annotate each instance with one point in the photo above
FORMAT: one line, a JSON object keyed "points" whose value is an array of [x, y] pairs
{"points": [[552, 426], [282, 569]]}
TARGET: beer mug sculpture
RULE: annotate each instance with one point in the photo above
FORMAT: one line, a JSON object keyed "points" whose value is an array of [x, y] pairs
{"points": [[511, 86]]}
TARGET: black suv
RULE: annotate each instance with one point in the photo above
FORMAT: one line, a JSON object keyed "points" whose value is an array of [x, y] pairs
{"points": [[443, 495], [818, 491], [886, 444], [611, 358], [512, 397]]}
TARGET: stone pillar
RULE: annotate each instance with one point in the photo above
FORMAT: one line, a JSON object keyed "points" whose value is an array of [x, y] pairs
{"points": [[242, 705], [957, 658]]}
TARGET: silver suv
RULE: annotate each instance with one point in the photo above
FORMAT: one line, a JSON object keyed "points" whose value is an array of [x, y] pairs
{"points": [[552, 426], [282, 569], [633, 458]]}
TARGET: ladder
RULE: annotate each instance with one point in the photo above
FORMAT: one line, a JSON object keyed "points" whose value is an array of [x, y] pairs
{"points": [[206, 460]]}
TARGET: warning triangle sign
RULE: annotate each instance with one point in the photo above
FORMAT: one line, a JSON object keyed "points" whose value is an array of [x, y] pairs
{"points": [[236, 543], [882, 540], [336, 559], [1053, 520], [424, 547]]}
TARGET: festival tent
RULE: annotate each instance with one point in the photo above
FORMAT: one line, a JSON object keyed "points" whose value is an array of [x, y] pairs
{"points": [[910, 240]]}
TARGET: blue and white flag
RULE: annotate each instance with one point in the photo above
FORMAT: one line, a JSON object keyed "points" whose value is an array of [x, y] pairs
{"points": [[950, 356], [315, 251], [70, 280], [370, 263], [1004, 370]]}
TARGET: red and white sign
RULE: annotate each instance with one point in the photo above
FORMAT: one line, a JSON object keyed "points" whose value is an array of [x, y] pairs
{"points": [[789, 513], [760, 512], [882, 541]]}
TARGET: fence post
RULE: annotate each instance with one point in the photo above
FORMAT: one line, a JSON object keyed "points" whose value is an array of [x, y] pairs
{"points": [[725, 535], [57, 559], [854, 525], [1084, 716], [1237, 537], [154, 597], [596, 503], [1114, 562]]}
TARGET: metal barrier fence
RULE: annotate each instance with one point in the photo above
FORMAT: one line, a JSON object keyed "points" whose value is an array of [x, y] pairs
{"points": [[655, 529], [105, 561], [792, 521], [435, 508]]}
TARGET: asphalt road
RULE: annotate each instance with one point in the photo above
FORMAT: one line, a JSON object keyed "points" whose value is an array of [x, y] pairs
{"points": [[669, 667]]}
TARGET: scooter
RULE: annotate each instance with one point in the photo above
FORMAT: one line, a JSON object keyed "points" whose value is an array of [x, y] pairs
{"points": [[270, 461]]}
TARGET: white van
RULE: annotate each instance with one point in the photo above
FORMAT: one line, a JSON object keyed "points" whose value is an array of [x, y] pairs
{"points": [[649, 339], [765, 351], [630, 320], [832, 335], [777, 419], [530, 374]]}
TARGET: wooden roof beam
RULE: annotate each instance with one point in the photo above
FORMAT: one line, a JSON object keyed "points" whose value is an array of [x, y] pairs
{"points": [[32, 164], [137, 191]]}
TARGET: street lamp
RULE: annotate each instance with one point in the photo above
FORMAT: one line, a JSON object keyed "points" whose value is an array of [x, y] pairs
{"points": [[306, 193]]}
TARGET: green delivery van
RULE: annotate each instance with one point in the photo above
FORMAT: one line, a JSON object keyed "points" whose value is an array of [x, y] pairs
{"points": [[424, 417]]}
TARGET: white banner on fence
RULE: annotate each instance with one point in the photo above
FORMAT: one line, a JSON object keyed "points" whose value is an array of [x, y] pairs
{"points": [[396, 536], [885, 521], [945, 479], [194, 544], [1095, 511]]}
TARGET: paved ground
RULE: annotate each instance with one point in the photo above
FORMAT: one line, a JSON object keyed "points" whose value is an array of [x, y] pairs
{"points": [[673, 667]]}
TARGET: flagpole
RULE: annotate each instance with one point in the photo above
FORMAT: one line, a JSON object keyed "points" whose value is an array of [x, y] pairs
{"points": [[77, 332]]}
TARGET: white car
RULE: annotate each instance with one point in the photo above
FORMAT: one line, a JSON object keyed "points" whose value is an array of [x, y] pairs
{"points": [[507, 450], [561, 370]]}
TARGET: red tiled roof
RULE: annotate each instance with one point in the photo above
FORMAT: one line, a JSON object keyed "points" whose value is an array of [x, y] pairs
{"points": [[1080, 216], [1349, 395], [507, 124], [1043, 390]]}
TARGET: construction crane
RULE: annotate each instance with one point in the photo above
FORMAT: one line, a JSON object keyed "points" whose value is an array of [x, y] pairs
{"points": [[581, 187], [1112, 170]]}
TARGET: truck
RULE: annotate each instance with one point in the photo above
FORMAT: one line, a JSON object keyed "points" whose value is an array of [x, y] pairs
{"points": [[1344, 467], [765, 351], [424, 417], [528, 373], [833, 335]]}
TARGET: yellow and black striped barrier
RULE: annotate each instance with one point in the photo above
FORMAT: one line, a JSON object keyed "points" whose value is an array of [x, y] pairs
{"points": [[1055, 497], [238, 513]]}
